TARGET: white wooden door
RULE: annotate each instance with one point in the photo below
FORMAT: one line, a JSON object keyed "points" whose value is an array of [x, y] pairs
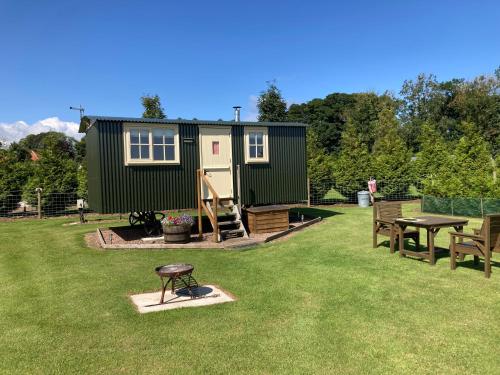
{"points": [[216, 161]]}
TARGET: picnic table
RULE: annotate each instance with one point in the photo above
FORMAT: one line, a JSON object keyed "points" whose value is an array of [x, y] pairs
{"points": [[432, 224]]}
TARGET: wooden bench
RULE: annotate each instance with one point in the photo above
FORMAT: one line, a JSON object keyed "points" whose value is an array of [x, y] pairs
{"points": [[266, 219], [482, 243], [384, 217]]}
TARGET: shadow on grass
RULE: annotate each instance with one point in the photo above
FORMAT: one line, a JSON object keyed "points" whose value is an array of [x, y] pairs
{"points": [[469, 263], [439, 252], [314, 212]]}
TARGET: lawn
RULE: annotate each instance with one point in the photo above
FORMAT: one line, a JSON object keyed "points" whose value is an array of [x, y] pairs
{"points": [[322, 302]]}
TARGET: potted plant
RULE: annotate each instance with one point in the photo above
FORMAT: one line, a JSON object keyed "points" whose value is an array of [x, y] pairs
{"points": [[177, 229]]}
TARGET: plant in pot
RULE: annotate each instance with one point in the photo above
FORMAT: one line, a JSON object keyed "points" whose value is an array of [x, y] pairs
{"points": [[177, 229]]}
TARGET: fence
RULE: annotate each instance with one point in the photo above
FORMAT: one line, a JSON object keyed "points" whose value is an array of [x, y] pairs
{"points": [[38, 204], [15, 204], [328, 192], [474, 207]]}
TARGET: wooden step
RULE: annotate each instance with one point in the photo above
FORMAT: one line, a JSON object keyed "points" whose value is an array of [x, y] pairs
{"points": [[230, 222], [231, 233]]}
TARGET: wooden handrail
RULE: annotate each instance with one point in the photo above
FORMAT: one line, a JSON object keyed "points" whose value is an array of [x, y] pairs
{"points": [[209, 186], [202, 179]]}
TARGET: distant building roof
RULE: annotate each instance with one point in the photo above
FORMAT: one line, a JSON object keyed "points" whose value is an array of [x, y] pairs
{"points": [[87, 121]]}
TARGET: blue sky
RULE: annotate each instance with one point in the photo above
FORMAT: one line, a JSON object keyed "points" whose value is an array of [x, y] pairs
{"points": [[204, 57]]}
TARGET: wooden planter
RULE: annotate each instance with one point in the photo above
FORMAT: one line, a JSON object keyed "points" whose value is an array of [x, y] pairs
{"points": [[266, 219], [177, 233]]}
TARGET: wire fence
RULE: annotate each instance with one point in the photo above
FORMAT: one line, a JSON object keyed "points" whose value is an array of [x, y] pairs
{"points": [[328, 193], [18, 204], [49, 204], [461, 206]]}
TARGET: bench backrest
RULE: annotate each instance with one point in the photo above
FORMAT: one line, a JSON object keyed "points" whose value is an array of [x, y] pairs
{"points": [[491, 230], [387, 210]]}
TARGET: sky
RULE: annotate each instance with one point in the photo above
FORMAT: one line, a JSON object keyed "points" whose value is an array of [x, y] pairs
{"points": [[204, 57]]}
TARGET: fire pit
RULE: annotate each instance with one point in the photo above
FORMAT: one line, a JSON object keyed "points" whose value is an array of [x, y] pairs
{"points": [[179, 276]]}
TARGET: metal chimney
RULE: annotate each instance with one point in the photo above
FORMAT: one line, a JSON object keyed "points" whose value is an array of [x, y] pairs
{"points": [[237, 113]]}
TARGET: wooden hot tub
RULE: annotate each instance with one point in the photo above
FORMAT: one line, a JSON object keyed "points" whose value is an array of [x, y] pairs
{"points": [[266, 219]]}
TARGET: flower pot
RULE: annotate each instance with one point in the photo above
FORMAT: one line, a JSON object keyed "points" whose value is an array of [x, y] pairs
{"points": [[177, 233]]}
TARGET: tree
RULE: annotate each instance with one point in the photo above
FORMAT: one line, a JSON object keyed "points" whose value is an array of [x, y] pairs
{"points": [[152, 107], [319, 167], [472, 166], [433, 161], [13, 176], [54, 175], [326, 116], [352, 168], [391, 156], [364, 114], [58, 143], [271, 105]]}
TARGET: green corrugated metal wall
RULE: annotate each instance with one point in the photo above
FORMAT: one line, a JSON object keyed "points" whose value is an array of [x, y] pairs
{"points": [[114, 187], [284, 178], [93, 169]]}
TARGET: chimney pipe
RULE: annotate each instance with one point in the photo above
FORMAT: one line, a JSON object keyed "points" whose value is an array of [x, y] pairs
{"points": [[237, 113]]}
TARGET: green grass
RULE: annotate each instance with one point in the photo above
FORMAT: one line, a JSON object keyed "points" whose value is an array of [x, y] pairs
{"points": [[322, 302]]}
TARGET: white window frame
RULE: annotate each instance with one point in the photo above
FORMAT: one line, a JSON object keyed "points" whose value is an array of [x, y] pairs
{"points": [[149, 127], [265, 144]]}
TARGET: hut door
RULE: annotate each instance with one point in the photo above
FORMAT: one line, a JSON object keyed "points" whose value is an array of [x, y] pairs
{"points": [[215, 154]]}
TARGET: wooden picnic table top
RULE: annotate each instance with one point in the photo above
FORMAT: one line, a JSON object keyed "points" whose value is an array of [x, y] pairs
{"points": [[432, 221]]}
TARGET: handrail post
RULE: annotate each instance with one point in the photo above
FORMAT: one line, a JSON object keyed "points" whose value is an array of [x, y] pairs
{"points": [[216, 223], [198, 193]]}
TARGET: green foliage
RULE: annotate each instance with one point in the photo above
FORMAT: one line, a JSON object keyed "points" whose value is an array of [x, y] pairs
{"points": [[54, 175], [448, 104], [472, 165], [82, 190], [319, 166], [58, 143], [466, 171], [391, 157], [13, 176], [152, 107], [352, 168], [433, 160], [326, 116], [271, 105], [80, 150], [364, 114]]}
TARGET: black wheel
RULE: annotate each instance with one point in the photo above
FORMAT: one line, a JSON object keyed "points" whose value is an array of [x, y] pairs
{"points": [[152, 224], [134, 218]]}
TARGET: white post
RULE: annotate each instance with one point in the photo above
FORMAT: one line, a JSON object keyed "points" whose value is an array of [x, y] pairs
{"points": [[238, 187], [308, 191]]}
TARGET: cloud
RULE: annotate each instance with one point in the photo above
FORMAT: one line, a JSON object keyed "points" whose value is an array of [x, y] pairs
{"points": [[251, 111], [13, 132]]}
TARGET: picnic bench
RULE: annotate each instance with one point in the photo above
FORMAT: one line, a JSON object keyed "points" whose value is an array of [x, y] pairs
{"points": [[432, 224], [384, 217], [482, 243]]}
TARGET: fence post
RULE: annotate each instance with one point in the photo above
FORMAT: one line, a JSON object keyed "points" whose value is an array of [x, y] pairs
{"points": [[308, 192], [452, 214], [482, 208], [39, 200]]}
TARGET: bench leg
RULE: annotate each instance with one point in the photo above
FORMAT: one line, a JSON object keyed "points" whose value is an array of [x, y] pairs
{"points": [[487, 264], [392, 241]]}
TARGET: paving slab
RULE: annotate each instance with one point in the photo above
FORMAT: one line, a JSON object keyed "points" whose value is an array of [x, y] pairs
{"points": [[205, 295]]}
